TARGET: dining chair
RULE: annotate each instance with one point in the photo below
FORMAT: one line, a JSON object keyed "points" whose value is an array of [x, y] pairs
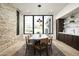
{"points": [[50, 43], [41, 46], [44, 44], [28, 43], [29, 35]]}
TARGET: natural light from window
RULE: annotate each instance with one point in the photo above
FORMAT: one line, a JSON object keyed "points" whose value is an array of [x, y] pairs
{"points": [[28, 24]]}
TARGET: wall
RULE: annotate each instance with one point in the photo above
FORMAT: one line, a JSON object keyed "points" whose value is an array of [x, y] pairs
{"points": [[21, 24], [54, 27], [67, 9], [8, 21], [72, 28]]}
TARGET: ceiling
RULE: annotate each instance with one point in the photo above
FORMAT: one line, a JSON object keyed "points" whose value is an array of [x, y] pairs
{"points": [[46, 8]]}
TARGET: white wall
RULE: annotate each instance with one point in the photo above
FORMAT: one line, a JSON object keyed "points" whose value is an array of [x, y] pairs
{"points": [[54, 28], [21, 23], [72, 28], [67, 9]]}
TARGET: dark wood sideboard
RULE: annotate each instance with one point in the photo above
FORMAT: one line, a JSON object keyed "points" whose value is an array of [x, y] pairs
{"points": [[72, 40]]}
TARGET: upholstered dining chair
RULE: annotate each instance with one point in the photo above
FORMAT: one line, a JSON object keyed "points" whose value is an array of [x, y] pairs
{"points": [[41, 46]]}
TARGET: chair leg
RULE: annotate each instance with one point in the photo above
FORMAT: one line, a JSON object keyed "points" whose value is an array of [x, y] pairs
{"points": [[40, 52], [47, 50], [51, 49], [34, 51], [26, 51]]}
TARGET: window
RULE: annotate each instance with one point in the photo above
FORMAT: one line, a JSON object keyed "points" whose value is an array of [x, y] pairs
{"points": [[28, 24], [17, 22], [47, 24], [38, 24]]}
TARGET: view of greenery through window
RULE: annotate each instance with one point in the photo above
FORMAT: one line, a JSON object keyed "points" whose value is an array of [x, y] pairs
{"points": [[41, 24]]}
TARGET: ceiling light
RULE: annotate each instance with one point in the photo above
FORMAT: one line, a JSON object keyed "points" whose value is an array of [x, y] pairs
{"points": [[39, 5]]}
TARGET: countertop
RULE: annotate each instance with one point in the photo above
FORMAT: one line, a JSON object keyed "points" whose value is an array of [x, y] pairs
{"points": [[69, 34]]}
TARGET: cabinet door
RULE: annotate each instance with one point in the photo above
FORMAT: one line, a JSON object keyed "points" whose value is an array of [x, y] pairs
{"points": [[74, 42], [63, 38], [66, 39], [61, 25], [70, 39], [60, 37], [77, 42]]}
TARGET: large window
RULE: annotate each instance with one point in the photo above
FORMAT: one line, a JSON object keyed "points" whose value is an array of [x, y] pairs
{"points": [[38, 24], [48, 24]]}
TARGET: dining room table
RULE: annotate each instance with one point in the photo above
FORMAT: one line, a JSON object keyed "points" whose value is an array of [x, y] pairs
{"points": [[37, 37]]}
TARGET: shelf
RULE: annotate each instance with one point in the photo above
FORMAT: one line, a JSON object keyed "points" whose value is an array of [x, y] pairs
{"points": [[71, 26]]}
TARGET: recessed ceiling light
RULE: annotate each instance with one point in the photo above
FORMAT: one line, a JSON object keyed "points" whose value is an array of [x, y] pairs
{"points": [[39, 5]]}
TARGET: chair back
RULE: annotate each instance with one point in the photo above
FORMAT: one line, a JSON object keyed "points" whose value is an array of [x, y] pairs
{"points": [[50, 40], [27, 39], [44, 41]]}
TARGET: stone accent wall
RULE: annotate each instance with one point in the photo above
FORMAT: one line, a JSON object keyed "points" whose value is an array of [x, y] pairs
{"points": [[8, 21]]}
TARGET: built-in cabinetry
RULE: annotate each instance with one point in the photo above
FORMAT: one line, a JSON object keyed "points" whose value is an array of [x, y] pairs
{"points": [[59, 26], [69, 39]]}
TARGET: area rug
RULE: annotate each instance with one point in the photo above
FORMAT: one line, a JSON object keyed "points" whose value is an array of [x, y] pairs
{"points": [[22, 52]]}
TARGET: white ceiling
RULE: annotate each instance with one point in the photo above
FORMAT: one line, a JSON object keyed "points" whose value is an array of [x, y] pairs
{"points": [[47, 8]]}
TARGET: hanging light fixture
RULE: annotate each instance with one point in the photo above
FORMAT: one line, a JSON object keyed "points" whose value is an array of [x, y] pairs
{"points": [[39, 5], [39, 20]]}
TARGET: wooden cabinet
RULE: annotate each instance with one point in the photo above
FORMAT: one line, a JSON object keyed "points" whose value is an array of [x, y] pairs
{"points": [[71, 40], [75, 42], [59, 26]]}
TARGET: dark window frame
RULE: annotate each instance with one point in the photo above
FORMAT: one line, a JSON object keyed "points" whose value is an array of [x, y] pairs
{"points": [[18, 15], [33, 23]]}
